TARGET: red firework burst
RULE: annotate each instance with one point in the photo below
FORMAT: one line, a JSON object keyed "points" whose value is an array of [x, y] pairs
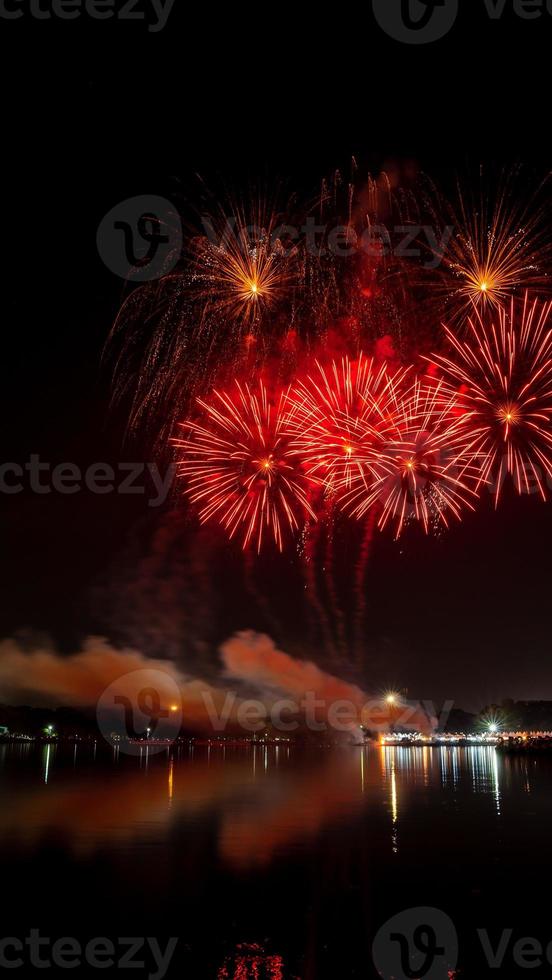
{"points": [[504, 372], [239, 467], [341, 416], [426, 470]]}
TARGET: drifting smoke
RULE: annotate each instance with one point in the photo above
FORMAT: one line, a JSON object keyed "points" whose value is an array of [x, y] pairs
{"points": [[77, 680], [254, 658], [80, 680]]}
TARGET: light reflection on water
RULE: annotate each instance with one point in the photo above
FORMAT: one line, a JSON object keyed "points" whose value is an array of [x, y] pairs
{"points": [[300, 854], [268, 797]]}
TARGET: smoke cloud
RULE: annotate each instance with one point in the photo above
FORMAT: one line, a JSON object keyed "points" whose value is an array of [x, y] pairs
{"points": [[80, 680], [46, 677], [254, 658]]}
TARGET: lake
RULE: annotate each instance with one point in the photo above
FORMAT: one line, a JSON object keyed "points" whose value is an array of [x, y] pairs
{"points": [[274, 861]]}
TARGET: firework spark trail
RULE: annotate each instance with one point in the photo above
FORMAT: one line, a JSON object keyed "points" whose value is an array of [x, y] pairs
{"points": [[329, 570], [238, 466], [319, 616], [426, 470], [504, 372], [360, 576]]}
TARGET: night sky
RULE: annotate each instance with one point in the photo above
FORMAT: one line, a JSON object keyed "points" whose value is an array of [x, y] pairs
{"points": [[99, 112]]}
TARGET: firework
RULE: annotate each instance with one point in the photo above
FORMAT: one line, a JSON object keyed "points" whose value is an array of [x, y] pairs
{"points": [[241, 268], [426, 471], [499, 247], [503, 370], [174, 338], [239, 468], [341, 415]]}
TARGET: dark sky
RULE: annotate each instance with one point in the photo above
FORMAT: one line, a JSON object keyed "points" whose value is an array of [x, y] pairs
{"points": [[98, 112]]}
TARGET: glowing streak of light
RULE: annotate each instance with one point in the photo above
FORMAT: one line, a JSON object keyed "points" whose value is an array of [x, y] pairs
{"points": [[394, 798], [47, 763], [496, 781], [388, 758], [170, 781]]}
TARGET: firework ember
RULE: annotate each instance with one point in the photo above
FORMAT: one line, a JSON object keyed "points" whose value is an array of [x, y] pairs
{"points": [[239, 467], [504, 373]]}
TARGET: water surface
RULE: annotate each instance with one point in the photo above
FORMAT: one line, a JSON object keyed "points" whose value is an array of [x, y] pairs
{"points": [[272, 862]]}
